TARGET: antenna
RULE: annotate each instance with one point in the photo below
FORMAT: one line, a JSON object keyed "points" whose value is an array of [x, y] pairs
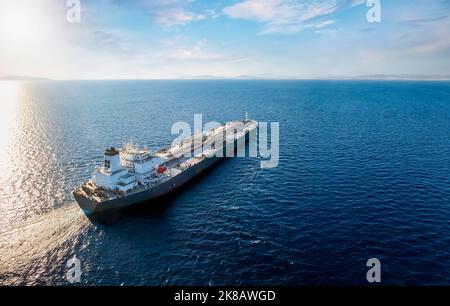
{"points": [[246, 116]]}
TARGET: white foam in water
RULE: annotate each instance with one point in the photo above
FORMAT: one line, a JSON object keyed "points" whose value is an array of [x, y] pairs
{"points": [[37, 239], [231, 207]]}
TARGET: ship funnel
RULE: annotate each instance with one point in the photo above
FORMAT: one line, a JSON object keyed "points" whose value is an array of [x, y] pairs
{"points": [[112, 159]]}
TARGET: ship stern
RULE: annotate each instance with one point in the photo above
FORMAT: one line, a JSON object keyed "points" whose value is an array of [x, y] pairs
{"points": [[88, 206]]}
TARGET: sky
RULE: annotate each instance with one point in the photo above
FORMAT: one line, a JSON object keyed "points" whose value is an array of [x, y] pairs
{"points": [[148, 39]]}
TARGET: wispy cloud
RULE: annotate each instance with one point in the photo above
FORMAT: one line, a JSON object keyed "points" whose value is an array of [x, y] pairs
{"points": [[195, 52], [179, 50], [357, 2], [281, 16], [171, 13], [176, 17], [323, 24]]}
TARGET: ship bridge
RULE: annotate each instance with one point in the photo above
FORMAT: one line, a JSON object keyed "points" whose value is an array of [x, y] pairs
{"points": [[112, 175]]}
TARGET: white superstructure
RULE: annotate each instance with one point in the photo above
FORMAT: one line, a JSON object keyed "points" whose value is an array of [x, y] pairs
{"points": [[112, 175]]}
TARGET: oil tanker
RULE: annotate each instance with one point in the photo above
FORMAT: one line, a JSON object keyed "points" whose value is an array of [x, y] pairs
{"points": [[134, 175]]}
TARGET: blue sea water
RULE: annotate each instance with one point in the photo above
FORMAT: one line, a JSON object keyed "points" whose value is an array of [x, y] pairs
{"points": [[364, 172]]}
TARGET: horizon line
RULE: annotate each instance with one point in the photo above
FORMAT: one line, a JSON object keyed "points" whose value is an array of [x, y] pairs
{"points": [[244, 78]]}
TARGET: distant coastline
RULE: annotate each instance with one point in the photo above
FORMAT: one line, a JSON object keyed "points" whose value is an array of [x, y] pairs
{"points": [[375, 77], [22, 78], [324, 78]]}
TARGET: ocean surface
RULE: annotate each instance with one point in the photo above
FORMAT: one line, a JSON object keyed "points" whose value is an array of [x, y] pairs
{"points": [[364, 172]]}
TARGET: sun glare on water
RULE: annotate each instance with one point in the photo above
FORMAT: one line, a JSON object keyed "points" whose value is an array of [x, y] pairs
{"points": [[9, 95]]}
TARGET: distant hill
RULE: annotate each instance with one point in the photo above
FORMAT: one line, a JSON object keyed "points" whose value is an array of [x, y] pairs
{"points": [[393, 77], [22, 78], [404, 77]]}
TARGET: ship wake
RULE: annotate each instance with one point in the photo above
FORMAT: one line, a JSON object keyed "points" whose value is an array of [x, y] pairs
{"points": [[35, 247]]}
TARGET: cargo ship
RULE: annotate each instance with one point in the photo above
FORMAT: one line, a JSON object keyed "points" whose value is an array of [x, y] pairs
{"points": [[133, 175]]}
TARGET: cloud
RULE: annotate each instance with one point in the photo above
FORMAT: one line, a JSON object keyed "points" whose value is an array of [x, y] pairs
{"points": [[176, 17], [357, 2], [101, 38], [431, 39], [178, 51], [170, 13], [195, 52], [323, 24], [281, 16], [421, 21]]}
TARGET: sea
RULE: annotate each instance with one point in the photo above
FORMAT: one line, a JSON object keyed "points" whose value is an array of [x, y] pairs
{"points": [[363, 172]]}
